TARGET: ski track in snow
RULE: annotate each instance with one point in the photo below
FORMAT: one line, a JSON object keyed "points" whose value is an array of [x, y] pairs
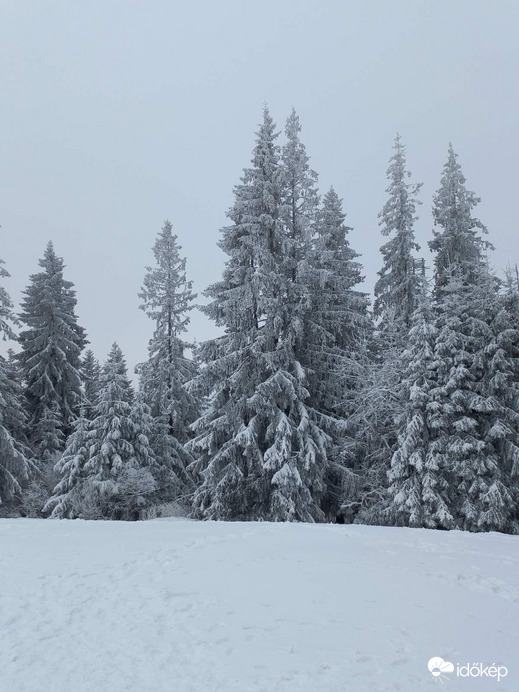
{"points": [[184, 606]]}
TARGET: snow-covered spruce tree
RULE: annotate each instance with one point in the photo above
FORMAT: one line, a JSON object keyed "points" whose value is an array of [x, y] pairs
{"points": [[77, 494], [260, 453], [112, 431], [506, 349], [143, 428], [15, 414], [463, 408], [372, 431], [337, 326], [298, 204], [68, 493], [396, 288], [51, 345], [337, 322], [319, 264], [16, 464], [511, 295], [167, 298], [48, 431], [475, 396], [457, 240], [137, 486], [7, 316], [486, 479], [417, 484], [90, 375]]}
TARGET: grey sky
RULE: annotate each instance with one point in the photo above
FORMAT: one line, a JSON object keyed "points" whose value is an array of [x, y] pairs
{"points": [[117, 114]]}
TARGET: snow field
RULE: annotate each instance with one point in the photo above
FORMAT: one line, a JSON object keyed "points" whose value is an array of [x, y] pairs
{"points": [[183, 606]]}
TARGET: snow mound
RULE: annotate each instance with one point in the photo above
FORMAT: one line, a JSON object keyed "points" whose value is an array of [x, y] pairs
{"points": [[182, 606]]}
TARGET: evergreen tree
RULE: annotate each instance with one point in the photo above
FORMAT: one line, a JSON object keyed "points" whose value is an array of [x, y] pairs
{"points": [[143, 429], [396, 288], [68, 493], [337, 322], [418, 486], [15, 414], [230, 465], [337, 326], [112, 431], [108, 463], [486, 481], [372, 430], [511, 295], [16, 465], [51, 346], [7, 317], [299, 202], [171, 461], [318, 263], [504, 382], [457, 442], [261, 454], [475, 402], [49, 435], [167, 298], [457, 241], [90, 377]]}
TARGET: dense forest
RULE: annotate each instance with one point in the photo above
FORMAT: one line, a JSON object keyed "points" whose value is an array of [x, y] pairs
{"points": [[314, 404]]}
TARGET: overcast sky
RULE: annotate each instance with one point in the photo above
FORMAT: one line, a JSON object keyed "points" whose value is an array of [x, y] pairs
{"points": [[118, 114]]}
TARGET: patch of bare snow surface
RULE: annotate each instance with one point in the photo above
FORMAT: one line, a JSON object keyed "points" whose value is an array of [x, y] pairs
{"points": [[184, 606]]}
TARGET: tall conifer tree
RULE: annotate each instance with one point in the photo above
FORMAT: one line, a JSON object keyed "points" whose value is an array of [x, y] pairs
{"points": [[372, 430], [475, 402], [90, 376], [51, 344], [418, 486], [457, 238], [167, 298], [112, 431], [337, 321], [16, 465], [396, 290], [337, 326], [71, 487], [261, 454]]}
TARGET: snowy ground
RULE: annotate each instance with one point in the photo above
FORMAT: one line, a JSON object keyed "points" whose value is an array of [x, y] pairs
{"points": [[182, 606]]}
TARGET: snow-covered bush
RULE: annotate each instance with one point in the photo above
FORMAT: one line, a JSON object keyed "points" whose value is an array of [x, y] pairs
{"points": [[36, 494], [133, 492], [87, 503], [164, 510]]}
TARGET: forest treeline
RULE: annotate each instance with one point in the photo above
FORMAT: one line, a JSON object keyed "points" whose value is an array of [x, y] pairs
{"points": [[314, 404]]}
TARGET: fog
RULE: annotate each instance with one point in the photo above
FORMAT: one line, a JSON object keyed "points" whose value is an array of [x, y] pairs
{"points": [[117, 115]]}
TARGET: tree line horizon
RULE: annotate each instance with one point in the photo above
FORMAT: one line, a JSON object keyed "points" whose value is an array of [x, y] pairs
{"points": [[314, 403]]}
